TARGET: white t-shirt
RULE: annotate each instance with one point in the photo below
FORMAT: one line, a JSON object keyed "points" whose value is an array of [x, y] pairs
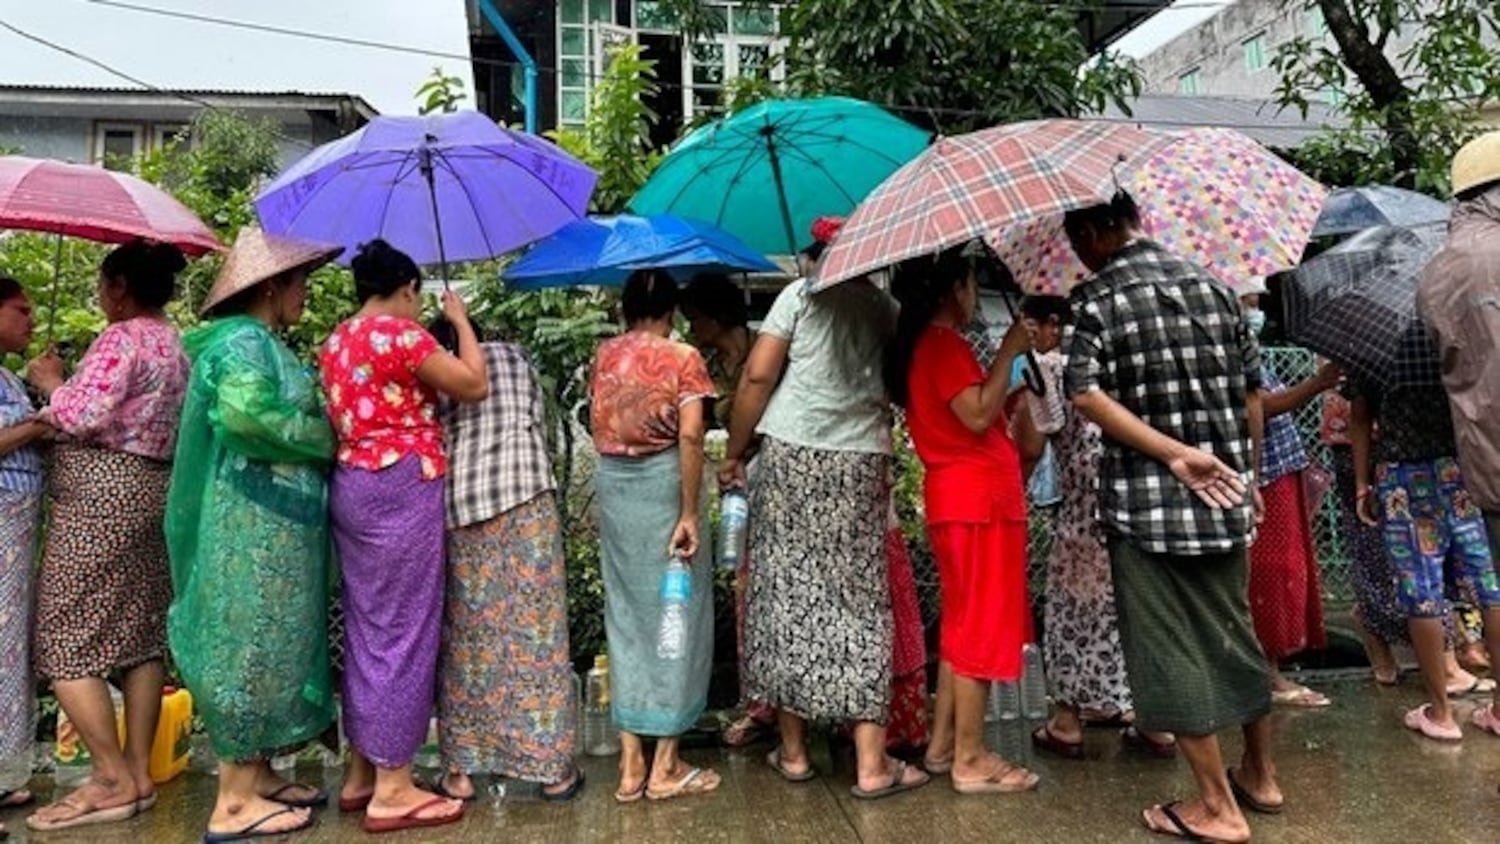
{"points": [[831, 396]]}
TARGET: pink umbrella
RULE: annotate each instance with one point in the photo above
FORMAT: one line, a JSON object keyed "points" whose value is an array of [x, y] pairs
{"points": [[96, 204], [1213, 196]]}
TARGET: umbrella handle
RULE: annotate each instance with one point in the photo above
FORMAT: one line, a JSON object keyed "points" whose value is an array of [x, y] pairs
{"points": [[56, 282]]}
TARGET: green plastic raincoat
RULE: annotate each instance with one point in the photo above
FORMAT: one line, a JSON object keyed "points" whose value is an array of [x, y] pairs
{"points": [[247, 533]]}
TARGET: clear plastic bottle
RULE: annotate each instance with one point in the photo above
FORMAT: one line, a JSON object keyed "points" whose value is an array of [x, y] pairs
{"points": [[599, 735], [734, 523], [676, 593], [1007, 700], [1033, 684]]}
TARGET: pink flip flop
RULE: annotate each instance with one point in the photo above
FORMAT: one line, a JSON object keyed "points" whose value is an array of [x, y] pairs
{"points": [[1418, 721], [1485, 719]]}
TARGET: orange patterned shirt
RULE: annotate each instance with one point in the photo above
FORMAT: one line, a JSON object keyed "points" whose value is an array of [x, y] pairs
{"points": [[639, 384]]}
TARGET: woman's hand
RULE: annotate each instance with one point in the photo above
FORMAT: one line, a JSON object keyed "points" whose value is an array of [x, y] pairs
{"points": [[685, 538], [1017, 340], [732, 474], [454, 308], [1329, 375], [45, 372], [1365, 508]]}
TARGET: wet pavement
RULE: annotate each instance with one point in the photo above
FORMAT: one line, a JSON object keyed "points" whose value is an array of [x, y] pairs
{"points": [[1351, 774]]}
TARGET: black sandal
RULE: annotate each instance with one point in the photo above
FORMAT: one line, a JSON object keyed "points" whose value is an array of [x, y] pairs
{"points": [[568, 793]]}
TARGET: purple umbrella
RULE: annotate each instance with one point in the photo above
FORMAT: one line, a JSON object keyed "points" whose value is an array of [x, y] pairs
{"points": [[447, 187]]}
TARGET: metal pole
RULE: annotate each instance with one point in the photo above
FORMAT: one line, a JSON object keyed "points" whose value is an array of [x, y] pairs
{"points": [[56, 282], [425, 165], [769, 132]]}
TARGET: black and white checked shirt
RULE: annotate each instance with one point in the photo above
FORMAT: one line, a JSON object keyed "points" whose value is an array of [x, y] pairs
{"points": [[1168, 341], [497, 448]]}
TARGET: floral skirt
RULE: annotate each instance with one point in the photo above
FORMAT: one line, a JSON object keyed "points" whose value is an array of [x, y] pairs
{"points": [[1081, 634], [18, 524], [505, 686], [818, 624], [104, 586]]}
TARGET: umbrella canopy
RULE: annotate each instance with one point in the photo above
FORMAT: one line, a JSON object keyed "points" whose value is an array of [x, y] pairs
{"points": [[1357, 305], [1348, 210], [606, 250], [1212, 196], [987, 184], [96, 204], [446, 187], [766, 173]]}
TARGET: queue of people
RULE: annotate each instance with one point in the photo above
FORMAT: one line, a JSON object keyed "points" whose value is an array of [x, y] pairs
{"points": [[207, 495]]}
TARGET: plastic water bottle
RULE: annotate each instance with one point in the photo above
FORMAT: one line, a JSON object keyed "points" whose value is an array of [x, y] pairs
{"points": [[1007, 694], [676, 592], [1033, 683], [734, 520], [599, 735]]}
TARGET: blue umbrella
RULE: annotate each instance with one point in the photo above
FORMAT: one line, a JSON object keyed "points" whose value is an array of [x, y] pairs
{"points": [[1349, 210], [604, 251]]}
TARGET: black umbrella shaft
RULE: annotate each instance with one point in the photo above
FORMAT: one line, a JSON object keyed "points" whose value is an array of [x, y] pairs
{"points": [[437, 223], [56, 281], [786, 210]]}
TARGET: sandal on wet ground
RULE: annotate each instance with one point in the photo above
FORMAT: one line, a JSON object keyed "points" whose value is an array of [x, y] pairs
{"points": [[1045, 740], [255, 830], [696, 781], [1301, 698], [937, 767], [634, 796], [745, 732], [412, 819], [355, 804], [318, 800], [1243, 796], [1134, 739], [567, 793], [1480, 686], [1486, 719], [1417, 720], [84, 816], [1005, 779], [439, 786], [897, 785], [1177, 827], [16, 798], [775, 761]]}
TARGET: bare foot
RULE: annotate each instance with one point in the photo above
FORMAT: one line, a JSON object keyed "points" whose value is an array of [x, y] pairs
{"points": [[910, 775], [457, 784], [1229, 827], [681, 781], [977, 768], [401, 801], [1261, 787], [556, 788], [234, 816], [89, 797], [632, 780], [19, 797]]}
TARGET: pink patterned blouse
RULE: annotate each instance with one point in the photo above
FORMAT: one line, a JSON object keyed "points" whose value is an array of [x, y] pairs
{"points": [[127, 393]]}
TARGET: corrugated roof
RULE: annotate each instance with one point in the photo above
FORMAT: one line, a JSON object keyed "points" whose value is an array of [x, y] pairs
{"points": [[195, 93], [1264, 120]]}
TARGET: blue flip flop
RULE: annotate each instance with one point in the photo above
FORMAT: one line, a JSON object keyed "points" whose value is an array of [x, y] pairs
{"points": [[254, 830], [317, 801]]}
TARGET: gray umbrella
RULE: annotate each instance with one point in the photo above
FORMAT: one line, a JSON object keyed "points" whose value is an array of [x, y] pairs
{"points": [[1349, 210], [1356, 304]]}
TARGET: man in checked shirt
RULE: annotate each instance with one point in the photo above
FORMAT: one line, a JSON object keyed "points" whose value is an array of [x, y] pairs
{"points": [[1163, 361]]}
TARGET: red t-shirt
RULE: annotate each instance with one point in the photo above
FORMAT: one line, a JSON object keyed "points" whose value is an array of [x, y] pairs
{"points": [[379, 408], [971, 477]]}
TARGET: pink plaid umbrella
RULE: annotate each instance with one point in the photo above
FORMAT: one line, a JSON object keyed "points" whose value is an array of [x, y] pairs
{"points": [[985, 184], [1213, 196]]}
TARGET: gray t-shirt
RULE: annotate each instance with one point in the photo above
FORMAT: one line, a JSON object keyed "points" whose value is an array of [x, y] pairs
{"points": [[831, 396]]}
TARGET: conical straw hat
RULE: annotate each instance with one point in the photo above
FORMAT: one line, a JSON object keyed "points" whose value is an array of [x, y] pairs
{"points": [[258, 255]]}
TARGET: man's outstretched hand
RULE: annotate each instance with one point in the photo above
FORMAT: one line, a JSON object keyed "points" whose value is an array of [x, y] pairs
{"points": [[1214, 482]]}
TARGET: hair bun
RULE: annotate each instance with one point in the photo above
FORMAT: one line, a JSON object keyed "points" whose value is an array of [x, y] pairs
{"points": [[166, 259]]}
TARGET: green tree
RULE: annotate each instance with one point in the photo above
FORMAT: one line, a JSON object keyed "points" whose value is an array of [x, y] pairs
{"points": [[1408, 107], [440, 94], [953, 65], [615, 138]]}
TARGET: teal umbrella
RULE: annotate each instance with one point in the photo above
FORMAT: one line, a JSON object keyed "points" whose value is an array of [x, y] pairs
{"points": [[766, 173]]}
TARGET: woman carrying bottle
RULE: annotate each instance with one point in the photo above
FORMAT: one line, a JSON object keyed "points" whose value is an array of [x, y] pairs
{"points": [[648, 424]]}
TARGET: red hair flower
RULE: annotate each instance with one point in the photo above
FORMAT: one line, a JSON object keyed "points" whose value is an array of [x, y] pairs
{"points": [[824, 228]]}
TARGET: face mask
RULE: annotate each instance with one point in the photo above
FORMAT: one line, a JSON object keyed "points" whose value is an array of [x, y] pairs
{"points": [[1256, 319]]}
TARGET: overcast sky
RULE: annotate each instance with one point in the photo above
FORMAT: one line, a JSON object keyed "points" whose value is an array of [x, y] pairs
{"points": [[173, 53]]}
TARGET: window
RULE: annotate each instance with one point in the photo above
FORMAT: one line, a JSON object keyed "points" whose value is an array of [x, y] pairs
{"points": [[117, 144], [1188, 82], [747, 46], [164, 135], [1255, 53]]}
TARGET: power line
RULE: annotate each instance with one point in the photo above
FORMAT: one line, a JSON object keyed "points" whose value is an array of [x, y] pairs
{"points": [[134, 80]]}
